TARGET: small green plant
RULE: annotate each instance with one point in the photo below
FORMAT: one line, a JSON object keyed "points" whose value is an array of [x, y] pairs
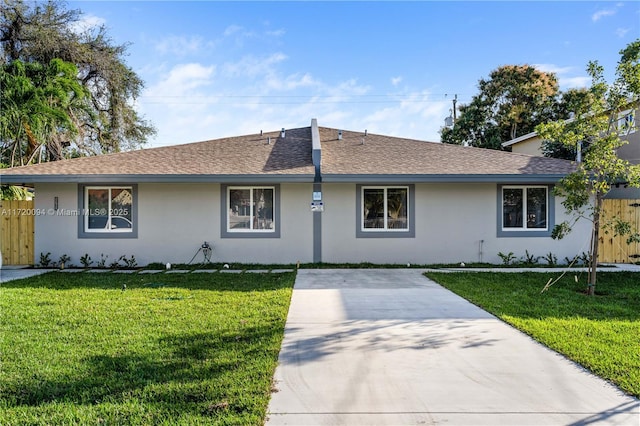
{"points": [[102, 263], [507, 259], [129, 263], [63, 260], [585, 258], [551, 259], [45, 259], [530, 259], [115, 264], [86, 260]]}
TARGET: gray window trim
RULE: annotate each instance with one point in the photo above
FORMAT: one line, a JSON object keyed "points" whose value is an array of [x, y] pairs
{"points": [[551, 214], [224, 214], [410, 233], [82, 207]]}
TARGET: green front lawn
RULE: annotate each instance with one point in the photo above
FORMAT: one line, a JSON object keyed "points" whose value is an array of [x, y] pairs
{"points": [[170, 349], [602, 333]]}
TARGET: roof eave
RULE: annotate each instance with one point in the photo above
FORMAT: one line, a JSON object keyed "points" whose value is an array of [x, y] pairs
{"points": [[442, 178], [519, 139], [29, 179]]}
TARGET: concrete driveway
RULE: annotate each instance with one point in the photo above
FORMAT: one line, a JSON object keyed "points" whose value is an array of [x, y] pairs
{"points": [[390, 347]]}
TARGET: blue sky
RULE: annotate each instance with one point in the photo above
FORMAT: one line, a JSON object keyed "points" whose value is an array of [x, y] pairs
{"points": [[214, 69]]}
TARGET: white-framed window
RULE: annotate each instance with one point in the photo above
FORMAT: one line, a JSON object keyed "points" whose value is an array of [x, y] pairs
{"points": [[384, 209], [251, 209], [525, 208], [108, 209], [626, 122]]}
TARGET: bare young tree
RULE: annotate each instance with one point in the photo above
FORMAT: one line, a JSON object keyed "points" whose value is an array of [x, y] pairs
{"points": [[597, 125]]}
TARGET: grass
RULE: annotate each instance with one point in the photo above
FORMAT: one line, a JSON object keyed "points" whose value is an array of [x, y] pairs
{"points": [[602, 333], [170, 349]]}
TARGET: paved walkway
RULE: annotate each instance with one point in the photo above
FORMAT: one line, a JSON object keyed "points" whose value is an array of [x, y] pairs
{"points": [[390, 347], [9, 273]]}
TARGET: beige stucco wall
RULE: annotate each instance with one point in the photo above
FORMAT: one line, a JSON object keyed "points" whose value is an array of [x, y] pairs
{"points": [[174, 220], [531, 146], [451, 220]]}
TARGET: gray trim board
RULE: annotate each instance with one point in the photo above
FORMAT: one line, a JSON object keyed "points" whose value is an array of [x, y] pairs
{"points": [[122, 179], [108, 235], [224, 214], [283, 178], [317, 230], [400, 179], [316, 153], [551, 215], [411, 233]]}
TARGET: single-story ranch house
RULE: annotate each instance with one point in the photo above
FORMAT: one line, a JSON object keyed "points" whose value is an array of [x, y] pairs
{"points": [[310, 194]]}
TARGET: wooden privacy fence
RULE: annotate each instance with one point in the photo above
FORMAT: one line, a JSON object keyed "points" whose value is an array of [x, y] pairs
{"points": [[612, 248], [16, 232]]}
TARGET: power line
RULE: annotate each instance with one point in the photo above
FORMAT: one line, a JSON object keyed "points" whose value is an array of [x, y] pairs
{"points": [[291, 99]]}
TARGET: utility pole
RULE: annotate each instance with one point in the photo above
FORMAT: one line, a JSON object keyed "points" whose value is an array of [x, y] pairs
{"points": [[453, 114], [455, 101]]}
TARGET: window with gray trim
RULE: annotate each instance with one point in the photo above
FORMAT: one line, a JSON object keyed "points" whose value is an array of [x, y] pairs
{"points": [[107, 211], [385, 211], [525, 210], [250, 211]]}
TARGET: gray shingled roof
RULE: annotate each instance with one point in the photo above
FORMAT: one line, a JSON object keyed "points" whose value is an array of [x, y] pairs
{"points": [[244, 158], [384, 155]]}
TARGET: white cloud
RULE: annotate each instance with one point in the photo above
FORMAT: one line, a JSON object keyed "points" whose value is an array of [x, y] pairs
{"points": [[552, 68], [566, 76], [252, 66], [417, 116], [232, 29], [238, 34], [602, 13], [87, 23], [621, 32], [180, 45], [347, 88], [276, 33], [295, 81], [396, 80], [181, 81], [197, 101], [575, 82]]}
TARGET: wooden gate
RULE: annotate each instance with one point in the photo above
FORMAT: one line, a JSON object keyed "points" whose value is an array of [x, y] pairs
{"points": [[614, 249], [16, 232]]}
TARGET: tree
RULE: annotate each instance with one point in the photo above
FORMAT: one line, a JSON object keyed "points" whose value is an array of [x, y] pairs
{"points": [[34, 104], [570, 102], [596, 125], [104, 120], [511, 102]]}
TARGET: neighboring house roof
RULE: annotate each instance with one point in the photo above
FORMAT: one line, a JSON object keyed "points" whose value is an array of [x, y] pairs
{"points": [[353, 158], [522, 138]]}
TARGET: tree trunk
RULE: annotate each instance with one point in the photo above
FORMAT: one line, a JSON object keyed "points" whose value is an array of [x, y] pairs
{"points": [[514, 129], [591, 290]]}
